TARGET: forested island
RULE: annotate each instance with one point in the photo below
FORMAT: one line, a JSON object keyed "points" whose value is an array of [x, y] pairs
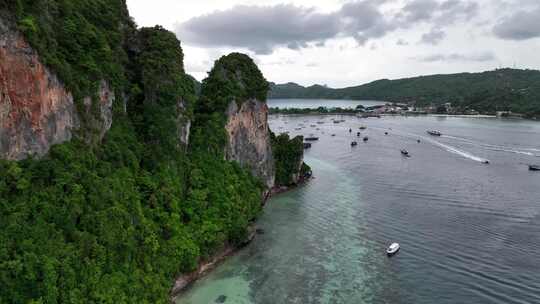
{"points": [[488, 92], [117, 173]]}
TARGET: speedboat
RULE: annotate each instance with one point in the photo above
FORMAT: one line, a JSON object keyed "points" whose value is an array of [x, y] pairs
{"points": [[434, 133], [392, 249], [405, 152], [534, 167]]}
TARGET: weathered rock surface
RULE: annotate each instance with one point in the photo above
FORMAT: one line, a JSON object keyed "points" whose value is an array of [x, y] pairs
{"points": [[36, 110], [184, 123], [297, 175], [249, 139], [105, 99]]}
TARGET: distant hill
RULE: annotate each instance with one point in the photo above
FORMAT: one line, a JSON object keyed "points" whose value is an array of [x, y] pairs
{"points": [[498, 90]]}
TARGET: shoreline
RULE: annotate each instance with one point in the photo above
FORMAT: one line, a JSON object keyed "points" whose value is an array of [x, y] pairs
{"points": [[185, 281], [411, 115]]}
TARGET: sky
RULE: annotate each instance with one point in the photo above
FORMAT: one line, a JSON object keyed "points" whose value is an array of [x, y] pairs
{"points": [[343, 43]]}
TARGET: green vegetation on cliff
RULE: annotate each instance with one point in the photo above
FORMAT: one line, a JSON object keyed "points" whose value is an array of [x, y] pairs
{"points": [[82, 40], [498, 90], [235, 77], [288, 157], [116, 222]]}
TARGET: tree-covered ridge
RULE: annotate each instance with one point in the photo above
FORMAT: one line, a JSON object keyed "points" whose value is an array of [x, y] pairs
{"points": [[233, 77], [117, 222], [81, 40], [498, 90], [161, 93], [95, 226]]}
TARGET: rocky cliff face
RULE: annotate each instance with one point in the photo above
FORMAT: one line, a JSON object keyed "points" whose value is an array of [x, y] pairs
{"points": [[183, 123], [249, 139], [105, 98], [36, 110], [296, 176]]}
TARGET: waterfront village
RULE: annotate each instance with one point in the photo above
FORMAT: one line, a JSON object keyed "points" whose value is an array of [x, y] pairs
{"points": [[411, 109]]}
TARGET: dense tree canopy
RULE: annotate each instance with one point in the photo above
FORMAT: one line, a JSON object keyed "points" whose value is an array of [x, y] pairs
{"points": [[288, 155], [116, 222]]}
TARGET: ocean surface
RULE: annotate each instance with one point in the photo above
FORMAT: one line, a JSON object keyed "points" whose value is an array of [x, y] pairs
{"points": [[315, 103], [469, 232]]}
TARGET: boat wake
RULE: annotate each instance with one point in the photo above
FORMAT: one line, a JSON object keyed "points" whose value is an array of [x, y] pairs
{"points": [[458, 152], [522, 151], [446, 147]]}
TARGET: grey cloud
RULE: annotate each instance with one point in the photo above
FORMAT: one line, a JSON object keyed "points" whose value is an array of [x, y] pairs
{"points": [[418, 10], [434, 37], [261, 29], [522, 25], [363, 21], [455, 57], [439, 13]]}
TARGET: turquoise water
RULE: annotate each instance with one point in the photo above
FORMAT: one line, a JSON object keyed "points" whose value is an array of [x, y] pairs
{"points": [[315, 103], [470, 232]]}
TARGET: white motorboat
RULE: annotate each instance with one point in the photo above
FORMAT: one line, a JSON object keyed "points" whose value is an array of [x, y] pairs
{"points": [[392, 249]]}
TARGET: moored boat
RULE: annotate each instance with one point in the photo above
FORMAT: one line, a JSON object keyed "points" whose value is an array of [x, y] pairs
{"points": [[354, 143], [534, 167], [366, 138], [311, 138]]}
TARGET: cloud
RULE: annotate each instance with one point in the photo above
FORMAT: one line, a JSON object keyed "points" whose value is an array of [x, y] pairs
{"points": [[438, 13], [522, 25], [402, 42], [262, 29], [434, 37], [418, 10], [259, 28], [455, 57]]}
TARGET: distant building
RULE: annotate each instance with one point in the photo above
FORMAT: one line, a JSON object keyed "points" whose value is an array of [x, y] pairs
{"points": [[509, 114]]}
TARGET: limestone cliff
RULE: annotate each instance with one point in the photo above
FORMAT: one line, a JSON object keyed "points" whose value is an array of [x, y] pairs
{"points": [[236, 88], [36, 110], [249, 139]]}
